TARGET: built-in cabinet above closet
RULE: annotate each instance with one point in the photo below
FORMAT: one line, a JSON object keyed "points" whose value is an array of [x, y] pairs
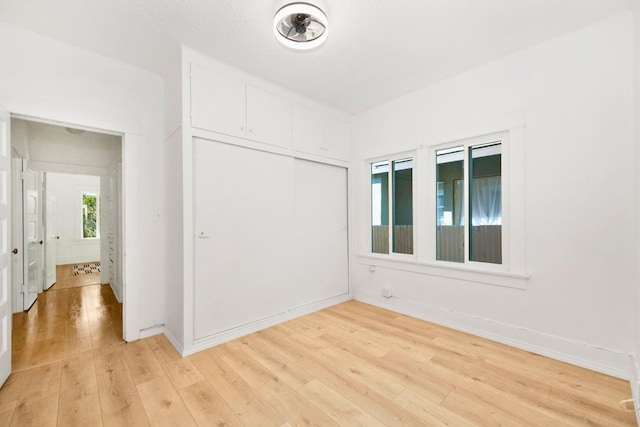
{"points": [[230, 106], [320, 134]]}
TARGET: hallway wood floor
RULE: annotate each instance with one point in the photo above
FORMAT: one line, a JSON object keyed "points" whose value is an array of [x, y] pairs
{"points": [[75, 315], [352, 364]]}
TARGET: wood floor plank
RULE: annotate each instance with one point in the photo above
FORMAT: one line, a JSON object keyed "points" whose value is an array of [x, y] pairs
{"points": [[12, 388], [207, 406], [347, 385], [480, 414], [78, 378], [41, 412], [361, 369], [142, 363], [297, 409], [182, 373], [162, 348], [119, 398], [84, 411], [241, 397], [41, 382], [279, 361], [342, 411], [163, 404], [433, 414]]}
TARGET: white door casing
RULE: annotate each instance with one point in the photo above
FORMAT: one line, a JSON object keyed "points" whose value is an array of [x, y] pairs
{"points": [[17, 228], [51, 241], [5, 265], [31, 235]]}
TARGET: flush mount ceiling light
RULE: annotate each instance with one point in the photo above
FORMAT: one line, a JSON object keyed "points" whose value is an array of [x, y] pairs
{"points": [[300, 26]]}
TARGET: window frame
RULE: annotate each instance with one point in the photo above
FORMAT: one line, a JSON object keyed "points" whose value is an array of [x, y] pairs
{"points": [[391, 159], [467, 143], [512, 273]]}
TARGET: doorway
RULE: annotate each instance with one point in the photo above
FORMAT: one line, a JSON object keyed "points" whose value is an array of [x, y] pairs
{"points": [[77, 239]]}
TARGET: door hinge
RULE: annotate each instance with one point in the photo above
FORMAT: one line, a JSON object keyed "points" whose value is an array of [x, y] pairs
{"points": [[22, 175]]}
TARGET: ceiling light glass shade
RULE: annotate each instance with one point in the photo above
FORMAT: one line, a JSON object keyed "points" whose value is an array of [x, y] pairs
{"points": [[300, 26]]}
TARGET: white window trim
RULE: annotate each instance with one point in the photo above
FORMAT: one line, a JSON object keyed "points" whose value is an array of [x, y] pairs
{"points": [[512, 272], [391, 159]]}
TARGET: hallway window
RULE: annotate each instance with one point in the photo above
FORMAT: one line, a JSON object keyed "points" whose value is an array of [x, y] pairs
{"points": [[90, 216]]}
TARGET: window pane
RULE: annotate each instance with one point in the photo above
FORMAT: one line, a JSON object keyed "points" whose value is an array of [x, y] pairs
{"points": [[89, 215], [450, 202], [485, 203], [403, 206], [380, 207]]}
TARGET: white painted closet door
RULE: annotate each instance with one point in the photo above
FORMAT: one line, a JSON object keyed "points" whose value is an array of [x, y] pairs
{"points": [[5, 266], [321, 239], [243, 244]]}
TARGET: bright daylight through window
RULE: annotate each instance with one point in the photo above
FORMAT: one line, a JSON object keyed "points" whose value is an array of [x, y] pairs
{"points": [[90, 216]]}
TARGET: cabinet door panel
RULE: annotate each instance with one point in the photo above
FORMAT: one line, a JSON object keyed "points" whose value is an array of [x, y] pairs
{"points": [[268, 118], [337, 138], [217, 102], [308, 130]]}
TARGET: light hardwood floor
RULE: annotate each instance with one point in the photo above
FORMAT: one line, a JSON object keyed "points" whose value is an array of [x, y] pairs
{"points": [[352, 364]]}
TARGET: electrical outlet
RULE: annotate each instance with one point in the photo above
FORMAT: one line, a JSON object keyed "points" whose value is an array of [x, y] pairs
{"points": [[386, 292]]}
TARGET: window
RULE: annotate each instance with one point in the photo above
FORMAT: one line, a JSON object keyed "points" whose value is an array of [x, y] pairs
{"points": [[459, 201], [90, 216], [469, 184], [392, 203]]}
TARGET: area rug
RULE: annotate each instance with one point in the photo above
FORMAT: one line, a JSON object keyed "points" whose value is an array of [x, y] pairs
{"points": [[89, 268]]}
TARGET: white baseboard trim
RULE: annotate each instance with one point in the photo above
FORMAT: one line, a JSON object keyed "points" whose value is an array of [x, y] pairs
{"points": [[577, 353], [222, 337], [154, 330], [173, 341]]}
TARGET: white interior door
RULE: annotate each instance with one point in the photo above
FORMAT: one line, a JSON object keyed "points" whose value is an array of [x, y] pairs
{"points": [[32, 241], [17, 264], [5, 267], [50, 240]]}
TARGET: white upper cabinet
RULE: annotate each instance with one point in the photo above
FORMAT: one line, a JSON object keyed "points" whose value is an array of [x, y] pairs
{"points": [[217, 102], [232, 107], [268, 118], [308, 131], [317, 133], [337, 138]]}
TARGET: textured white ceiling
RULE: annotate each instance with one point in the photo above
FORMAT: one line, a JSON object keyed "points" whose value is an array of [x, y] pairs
{"points": [[377, 49]]}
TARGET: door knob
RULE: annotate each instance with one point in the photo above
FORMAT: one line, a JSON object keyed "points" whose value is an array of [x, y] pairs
{"points": [[58, 237], [41, 242], [15, 250]]}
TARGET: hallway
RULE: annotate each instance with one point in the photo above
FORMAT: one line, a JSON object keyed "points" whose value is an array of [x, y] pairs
{"points": [[75, 315]]}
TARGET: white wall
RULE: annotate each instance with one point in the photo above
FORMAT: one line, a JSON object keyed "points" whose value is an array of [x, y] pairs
{"points": [[575, 93], [47, 79], [71, 247]]}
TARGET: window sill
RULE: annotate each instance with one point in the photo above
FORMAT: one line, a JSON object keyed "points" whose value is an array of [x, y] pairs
{"points": [[448, 270]]}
